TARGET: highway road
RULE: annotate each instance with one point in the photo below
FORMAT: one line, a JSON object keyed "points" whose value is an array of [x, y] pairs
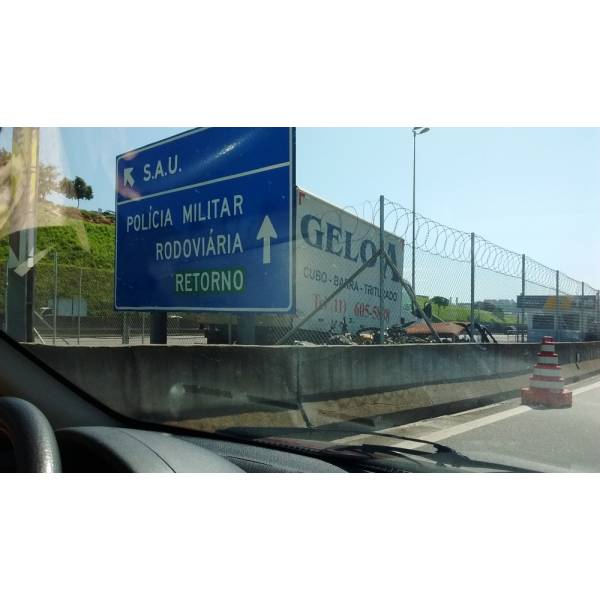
{"points": [[550, 439]]}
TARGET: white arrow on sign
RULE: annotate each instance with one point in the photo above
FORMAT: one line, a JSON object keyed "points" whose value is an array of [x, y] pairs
{"points": [[128, 177], [265, 233]]}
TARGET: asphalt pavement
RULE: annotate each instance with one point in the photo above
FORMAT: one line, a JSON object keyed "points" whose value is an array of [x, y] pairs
{"points": [[566, 439]]}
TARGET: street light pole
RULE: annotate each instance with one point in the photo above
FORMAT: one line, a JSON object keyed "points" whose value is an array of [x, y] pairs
{"points": [[413, 209], [416, 131]]}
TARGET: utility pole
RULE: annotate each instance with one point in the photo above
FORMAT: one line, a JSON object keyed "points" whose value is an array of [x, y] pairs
{"points": [[381, 268], [556, 308], [522, 298], [415, 131], [582, 313], [472, 287]]}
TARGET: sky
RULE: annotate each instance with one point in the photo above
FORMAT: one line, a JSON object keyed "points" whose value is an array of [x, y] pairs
{"points": [[531, 190]]}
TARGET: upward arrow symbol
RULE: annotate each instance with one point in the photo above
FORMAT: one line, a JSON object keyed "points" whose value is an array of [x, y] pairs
{"points": [[265, 233]]}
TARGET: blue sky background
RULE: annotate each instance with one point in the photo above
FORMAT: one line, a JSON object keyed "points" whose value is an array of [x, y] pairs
{"points": [[531, 190]]}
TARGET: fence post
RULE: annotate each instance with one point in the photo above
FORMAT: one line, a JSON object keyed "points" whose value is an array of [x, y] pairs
{"points": [[401, 276], [143, 327], [79, 307], [472, 327], [55, 311], [581, 311], [381, 269], [522, 298], [556, 307]]}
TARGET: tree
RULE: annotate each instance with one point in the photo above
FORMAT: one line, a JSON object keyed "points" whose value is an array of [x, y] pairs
{"points": [[440, 301], [487, 305], [47, 175], [89, 193], [76, 189], [67, 189], [47, 181]]}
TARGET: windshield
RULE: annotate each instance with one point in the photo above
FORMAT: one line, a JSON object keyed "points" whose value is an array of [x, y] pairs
{"points": [[321, 288]]}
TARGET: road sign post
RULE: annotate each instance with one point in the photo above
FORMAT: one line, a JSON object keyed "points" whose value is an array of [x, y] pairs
{"points": [[205, 222], [158, 327]]}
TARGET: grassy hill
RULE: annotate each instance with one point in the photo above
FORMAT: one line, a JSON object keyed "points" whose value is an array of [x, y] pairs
{"points": [[81, 238], [462, 313], [84, 242], [459, 313]]}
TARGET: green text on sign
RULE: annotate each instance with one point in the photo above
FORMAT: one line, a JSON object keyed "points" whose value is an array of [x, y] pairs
{"points": [[210, 281]]}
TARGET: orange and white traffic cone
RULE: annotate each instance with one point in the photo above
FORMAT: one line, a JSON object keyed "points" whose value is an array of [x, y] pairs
{"points": [[546, 386]]}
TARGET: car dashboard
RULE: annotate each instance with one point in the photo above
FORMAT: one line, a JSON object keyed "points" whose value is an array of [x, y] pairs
{"points": [[98, 449]]}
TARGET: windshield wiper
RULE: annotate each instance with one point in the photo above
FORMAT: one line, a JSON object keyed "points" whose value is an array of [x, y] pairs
{"points": [[313, 432], [438, 447], [443, 455]]}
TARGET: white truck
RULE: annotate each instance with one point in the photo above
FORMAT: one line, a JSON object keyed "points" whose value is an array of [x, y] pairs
{"points": [[331, 245]]}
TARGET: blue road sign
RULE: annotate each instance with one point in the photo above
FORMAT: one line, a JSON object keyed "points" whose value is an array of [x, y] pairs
{"points": [[205, 222]]}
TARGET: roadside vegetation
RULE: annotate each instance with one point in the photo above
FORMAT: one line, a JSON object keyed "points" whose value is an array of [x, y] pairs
{"points": [[82, 240], [86, 239], [442, 310]]}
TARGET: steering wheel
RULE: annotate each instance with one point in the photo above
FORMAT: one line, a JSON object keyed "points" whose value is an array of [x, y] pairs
{"points": [[31, 436]]}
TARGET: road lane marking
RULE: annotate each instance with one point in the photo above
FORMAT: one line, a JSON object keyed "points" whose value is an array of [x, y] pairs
{"points": [[457, 429], [586, 388], [464, 427], [481, 422]]}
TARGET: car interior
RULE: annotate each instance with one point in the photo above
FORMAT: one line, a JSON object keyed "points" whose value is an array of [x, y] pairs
{"points": [[47, 424]]}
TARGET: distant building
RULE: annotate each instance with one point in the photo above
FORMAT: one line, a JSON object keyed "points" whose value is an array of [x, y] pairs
{"points": [[506, 305]]}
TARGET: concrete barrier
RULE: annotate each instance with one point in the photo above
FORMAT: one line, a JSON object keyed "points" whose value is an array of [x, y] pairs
{"points": [[176, 382], [213, 387]]}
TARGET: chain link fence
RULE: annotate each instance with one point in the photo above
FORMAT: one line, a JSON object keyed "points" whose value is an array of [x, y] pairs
{"points": [[459, 278], [85, 299], [348, 291]]}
